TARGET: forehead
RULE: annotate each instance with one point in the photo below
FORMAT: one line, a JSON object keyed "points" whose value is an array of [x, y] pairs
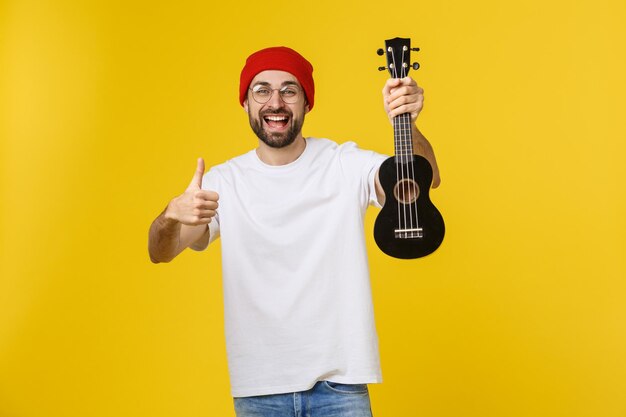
{"points": [[274, 77]]}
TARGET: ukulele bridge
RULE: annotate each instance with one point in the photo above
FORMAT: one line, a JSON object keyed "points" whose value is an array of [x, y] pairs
{"points": [[409, 233]]}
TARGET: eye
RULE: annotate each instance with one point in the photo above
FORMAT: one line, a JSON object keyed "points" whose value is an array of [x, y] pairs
{"points": [[289, 91], [261, 90]]}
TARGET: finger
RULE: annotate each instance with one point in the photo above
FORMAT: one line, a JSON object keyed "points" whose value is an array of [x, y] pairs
{"points": [[206, 195], [203, 214], [404, 100], [206, 205], [400, 101], [196, 181], [408, 81], [416, 98], [196, 221], [390, 85], [400, 83], [410, 90], [414, 109], [405, 104]]}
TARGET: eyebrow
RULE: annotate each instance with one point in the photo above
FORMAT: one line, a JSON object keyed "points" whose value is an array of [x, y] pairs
{"points": [[265, 83]]}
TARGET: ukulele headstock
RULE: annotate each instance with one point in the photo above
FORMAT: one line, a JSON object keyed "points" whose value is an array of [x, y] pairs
{"points": [[398, 54]]}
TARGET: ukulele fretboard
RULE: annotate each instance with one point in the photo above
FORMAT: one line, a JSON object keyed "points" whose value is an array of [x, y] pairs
{"points": [[402, 138]]}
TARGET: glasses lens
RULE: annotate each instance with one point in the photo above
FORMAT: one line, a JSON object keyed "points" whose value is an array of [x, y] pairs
{"points": [[290, 94], [262, 93]]}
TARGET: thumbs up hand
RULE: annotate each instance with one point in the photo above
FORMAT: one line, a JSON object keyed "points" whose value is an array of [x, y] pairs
{"points": [[195, 206]]}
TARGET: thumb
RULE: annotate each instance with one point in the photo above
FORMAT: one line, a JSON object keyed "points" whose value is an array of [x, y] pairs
{"points": [[196, 181]]}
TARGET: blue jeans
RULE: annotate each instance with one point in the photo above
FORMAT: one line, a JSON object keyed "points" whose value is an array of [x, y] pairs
{"points": [[325, 399]]}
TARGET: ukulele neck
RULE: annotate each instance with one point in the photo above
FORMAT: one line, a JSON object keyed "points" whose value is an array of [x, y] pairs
{"points": [[402, 138]]}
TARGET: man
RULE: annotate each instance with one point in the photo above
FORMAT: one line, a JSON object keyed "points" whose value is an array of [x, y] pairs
{"points": [[300, 329]]}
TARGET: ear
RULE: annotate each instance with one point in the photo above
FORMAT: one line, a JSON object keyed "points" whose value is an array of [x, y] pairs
{"points": [[306, 108], [245, 105]]}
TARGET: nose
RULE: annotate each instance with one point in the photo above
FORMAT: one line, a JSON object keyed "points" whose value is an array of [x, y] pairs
{"points": [[275, 101]]}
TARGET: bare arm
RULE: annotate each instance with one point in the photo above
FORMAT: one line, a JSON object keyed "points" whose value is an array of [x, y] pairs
{"points": [[168, 238], [184, 221], [422, 147]]}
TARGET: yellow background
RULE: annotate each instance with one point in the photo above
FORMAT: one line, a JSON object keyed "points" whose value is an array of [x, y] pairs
{"points": [[105, 107]]}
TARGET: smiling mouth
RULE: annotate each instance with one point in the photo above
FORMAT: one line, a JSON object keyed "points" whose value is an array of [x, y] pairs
{"points": [[276, 121]]}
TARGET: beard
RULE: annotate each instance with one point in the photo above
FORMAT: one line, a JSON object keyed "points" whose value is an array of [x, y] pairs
{"points": [[276, 140]]}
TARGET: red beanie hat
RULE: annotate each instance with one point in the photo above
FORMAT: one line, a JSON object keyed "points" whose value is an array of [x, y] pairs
{"points": [[278, 58]]}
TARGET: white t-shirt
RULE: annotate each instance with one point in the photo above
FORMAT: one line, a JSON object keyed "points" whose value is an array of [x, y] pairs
{"points": [[297, 298]]}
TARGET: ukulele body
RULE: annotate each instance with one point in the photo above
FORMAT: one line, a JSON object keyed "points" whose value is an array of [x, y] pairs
{"points": [[409, 225]]}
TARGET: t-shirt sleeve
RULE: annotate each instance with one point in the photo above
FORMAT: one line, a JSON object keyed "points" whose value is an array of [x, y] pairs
{"points": [[378, 159], [365, 164]]}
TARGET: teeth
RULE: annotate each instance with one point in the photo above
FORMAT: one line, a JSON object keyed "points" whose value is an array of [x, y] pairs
{"points": [[276, 118]]}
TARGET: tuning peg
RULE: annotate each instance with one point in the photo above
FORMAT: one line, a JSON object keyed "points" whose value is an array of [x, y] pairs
{"points": [[415, 49], [382, 68], [380, 51], [415, 65]]}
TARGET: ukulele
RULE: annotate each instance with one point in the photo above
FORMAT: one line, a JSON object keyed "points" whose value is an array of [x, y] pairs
{"points": [[408, 226]]}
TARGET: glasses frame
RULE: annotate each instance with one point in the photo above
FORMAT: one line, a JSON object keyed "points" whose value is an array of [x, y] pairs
{"points": [[296, 86]]}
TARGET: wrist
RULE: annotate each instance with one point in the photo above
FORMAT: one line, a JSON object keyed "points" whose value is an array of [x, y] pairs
{"points": [[169, 214]]}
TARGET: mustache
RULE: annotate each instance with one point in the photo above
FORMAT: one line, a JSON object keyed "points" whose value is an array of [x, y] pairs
{"points": [[275, 111]]}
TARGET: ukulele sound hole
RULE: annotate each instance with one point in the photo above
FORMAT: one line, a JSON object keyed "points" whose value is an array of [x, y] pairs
{"points": [[406, 191]]}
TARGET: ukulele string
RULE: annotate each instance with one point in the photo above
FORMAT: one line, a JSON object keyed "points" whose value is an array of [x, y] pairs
{"points": [[395, 139], [399, 173], [407, 156], [407, 185], [411, 191], [416, 190]]}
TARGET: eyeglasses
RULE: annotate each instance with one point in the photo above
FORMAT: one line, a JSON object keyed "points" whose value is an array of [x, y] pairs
{"points": [[289, 94]]}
